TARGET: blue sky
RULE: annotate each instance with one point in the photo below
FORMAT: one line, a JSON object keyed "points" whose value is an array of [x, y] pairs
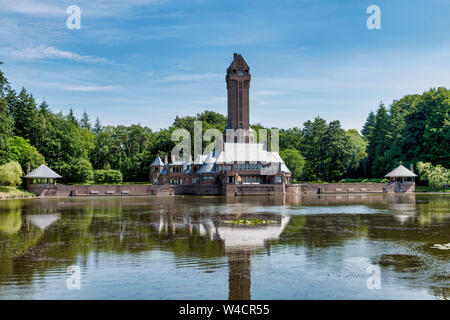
{"points": [[146, 61]]}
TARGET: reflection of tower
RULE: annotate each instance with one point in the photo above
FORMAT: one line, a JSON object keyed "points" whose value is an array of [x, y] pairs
{"points": [[239, 278]]}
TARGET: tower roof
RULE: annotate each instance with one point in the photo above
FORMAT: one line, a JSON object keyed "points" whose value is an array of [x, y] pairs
{"points": [[238, 63], [157, 162]]}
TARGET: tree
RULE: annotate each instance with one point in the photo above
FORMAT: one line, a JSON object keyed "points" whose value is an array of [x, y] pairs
{"points": [[6, 121], [415, 128], [97, 126], [85, 122], [291, 138], [435, 176], [11, 174], [359, 146], [327, 149], [78, 170], [294, 161], [24, 112], [6, 124], [24, 153]]}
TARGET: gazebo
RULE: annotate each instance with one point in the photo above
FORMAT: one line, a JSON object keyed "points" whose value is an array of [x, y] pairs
{"points": [[42, 175], [401, 174]]}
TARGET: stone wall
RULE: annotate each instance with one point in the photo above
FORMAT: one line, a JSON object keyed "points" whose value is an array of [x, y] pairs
{"points": [[48, 190], [350, 187]]}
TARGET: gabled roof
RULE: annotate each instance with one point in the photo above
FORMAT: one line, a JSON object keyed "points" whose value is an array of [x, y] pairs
{"points": [[43, 172], [399, 172], [157, 162], [238, 63]]}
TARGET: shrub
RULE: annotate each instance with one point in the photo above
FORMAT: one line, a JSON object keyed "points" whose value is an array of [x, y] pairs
{"points": [[361, 180], [11, 174], [436, 176], [107, 176], [82, 171], [78, 170]]}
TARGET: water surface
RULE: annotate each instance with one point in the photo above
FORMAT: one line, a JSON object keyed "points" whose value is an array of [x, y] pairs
{"points": [[317, 247]]}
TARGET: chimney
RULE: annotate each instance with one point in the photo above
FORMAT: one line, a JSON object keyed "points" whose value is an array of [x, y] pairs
{"points": [[28, 168], [172, 158], [166, 159], [411, 167]]}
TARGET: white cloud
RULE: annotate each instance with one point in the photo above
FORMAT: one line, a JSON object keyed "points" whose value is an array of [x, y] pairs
{"points": [[192, 77], [88, 7], [32, 7], [87, 88], [48, 52]]}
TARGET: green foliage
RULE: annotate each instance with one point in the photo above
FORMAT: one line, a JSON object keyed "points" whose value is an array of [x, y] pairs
{"points": [[78, 171], [11, 174], [6, 121], [107, 176], [25, 114], [5, 132], [436, 176], [24, 153], [414, 128], [361, 180], [294, 161], [328, 150], [291, 138]]}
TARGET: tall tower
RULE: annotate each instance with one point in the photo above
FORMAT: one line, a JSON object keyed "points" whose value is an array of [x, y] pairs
{"points": [[238, 85]]}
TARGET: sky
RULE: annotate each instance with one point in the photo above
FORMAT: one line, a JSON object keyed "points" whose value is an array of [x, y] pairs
{"points": [[147, 61]]}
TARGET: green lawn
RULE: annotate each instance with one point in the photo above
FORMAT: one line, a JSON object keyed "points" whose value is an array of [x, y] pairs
{"points": [[14, 192], [109, 184], [430, 189]]}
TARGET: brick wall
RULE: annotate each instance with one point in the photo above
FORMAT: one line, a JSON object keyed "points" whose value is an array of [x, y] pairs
{"points": [[202, 189]]}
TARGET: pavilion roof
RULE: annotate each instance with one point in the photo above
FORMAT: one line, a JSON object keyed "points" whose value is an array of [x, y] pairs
{"points": [[43, 172], [400, 172]]}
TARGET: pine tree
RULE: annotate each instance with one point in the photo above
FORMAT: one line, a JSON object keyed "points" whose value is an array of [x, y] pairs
{"points": [[6, 131], [24, 111], [97, 127], [85, 122], [71, 118]]}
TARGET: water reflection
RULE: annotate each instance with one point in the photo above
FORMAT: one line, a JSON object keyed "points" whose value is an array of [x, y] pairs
{"points": [[312, 237]]}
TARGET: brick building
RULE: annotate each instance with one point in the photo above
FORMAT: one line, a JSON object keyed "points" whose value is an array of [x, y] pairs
{"points": [[240, 160]]}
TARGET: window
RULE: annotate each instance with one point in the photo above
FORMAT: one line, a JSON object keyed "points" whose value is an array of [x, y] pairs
{"points": [[240, 72]]}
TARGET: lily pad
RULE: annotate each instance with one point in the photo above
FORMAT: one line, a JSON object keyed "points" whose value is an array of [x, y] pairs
{"points": [[249, 221], [445, 246]]}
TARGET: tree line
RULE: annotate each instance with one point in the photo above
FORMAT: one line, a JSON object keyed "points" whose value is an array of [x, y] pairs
{"points": [[414, 128]]}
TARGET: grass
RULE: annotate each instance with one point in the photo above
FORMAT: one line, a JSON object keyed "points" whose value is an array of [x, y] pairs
{"points": [[430, 189], [249, 221], [14, 192], [362, 180], [109, 183]]}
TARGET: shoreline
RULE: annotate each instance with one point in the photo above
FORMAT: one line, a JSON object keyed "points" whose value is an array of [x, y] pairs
{"points": [[182, 195]]}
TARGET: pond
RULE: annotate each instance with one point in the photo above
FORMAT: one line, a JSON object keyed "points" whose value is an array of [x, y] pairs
{"points": [[374, 246]]}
